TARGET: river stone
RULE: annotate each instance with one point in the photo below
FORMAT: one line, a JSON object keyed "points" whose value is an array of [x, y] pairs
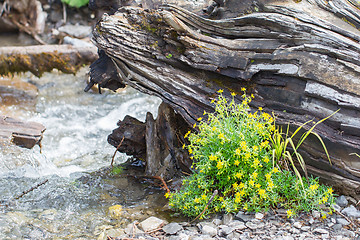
{"points": [[259, 215], [78, 31], [225, 230], [172, 228], [297, 225], [351, 212], [244, 217], [342, 201], [115, 211], [151, 223], [227, 218], [208, 230], [237, 225], [133, 229], [254, 224]]}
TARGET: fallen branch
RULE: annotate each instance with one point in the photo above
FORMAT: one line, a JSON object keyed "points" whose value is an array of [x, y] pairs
{"points": [[112, 160], [207, 205], [31, 189]]}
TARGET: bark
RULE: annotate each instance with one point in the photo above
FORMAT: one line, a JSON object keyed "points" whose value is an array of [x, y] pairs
{"points": [[297, 65], [43, 58]]}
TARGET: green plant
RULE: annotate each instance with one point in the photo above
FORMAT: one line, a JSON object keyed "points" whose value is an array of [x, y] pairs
{"points": [[76, 3], [232, 150]]}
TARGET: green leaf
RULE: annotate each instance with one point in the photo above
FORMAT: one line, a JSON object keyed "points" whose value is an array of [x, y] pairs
{"points": [[76, 3]]}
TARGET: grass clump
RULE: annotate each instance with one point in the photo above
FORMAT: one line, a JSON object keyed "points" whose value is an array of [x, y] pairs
{"points": [[234, 153]]}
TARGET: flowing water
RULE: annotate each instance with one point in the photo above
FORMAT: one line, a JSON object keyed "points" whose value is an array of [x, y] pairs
{"points": [[74, 160]]}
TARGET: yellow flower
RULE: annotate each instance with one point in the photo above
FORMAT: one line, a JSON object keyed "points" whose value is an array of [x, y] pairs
{"points": [[212, 158], [221, 199], [213, 128], [220, 91], [238, 175], [183, 146], [187, 134], [233, 94], [237, 162], [197, 200], [199, 119], [251, 182], [204, 112], [242, 185], [264, 144], [238, 151], [255, 148], [244, 102], [290, 213], [268, 176], [190, 151], [212, 101], [254, 175], [262, 193], [256, 163], [324, 199], [203, 196], [314, 187], [323, 216], [220, 164], [243, 89], [235, 185], [194, 126], [167, 195], [242, 192], [330, 190], [252, 96], [270, 184], [275, 170], [260, 108]]}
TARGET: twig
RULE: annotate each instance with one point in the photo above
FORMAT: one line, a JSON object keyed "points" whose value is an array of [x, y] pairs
{"points": [[28, 30], [154, 230], [117, 148], [64, 12], [346, 218], [163, 182], [207, 205], [31, 189]]}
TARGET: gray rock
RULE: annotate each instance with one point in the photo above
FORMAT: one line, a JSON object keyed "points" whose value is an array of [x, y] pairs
{"points": [[244, 217], [224, 231], [234, 235], [151, 223], [77, 31], [217, 221], [255, 224], [297, 225], [337, 227], [133, 229], [284, 238], [351, 212], [259, 215], [181, 236], [208, 230], [227, 218], [237, 225], [321, 231], [342, 221], [172, 228], [316, 214], [77, 42], [337, 207], [305, 228], [342, 201]]}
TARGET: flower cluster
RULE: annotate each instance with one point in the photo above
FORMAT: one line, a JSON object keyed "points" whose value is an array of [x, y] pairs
{"points": [[233, 155]]}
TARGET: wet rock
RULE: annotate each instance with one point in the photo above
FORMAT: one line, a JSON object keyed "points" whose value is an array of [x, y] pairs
{"points": [[351, 212], [77, 31], [208, 230], [132, 229], [172, 228], [342, 201], [115, 211], [151, 223]]}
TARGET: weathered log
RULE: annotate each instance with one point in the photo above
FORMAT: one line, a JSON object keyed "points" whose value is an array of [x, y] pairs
{"points": [[24, 134], [43, 58], [298, 66]]}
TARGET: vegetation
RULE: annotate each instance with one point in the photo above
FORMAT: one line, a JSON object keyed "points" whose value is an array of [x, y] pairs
{"points": [[245, 158], [76, 3]]}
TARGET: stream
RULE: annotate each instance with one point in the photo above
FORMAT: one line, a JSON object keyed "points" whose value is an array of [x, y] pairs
{"points": [[74, 159]]}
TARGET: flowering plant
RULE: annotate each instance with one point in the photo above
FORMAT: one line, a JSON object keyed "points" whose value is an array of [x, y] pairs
{"points": [[233, 153]]}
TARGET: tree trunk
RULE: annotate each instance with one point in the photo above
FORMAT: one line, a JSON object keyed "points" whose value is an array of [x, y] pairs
{"points": [[297, 65]]}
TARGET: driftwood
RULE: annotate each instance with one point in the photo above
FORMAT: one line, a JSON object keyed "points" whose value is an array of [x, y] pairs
{"points": [[24, 134], [297, 65], [43, 58]]}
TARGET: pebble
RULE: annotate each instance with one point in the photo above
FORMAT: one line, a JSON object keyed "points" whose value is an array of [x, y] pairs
{"points": [[242, 226], [342, 201]]}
